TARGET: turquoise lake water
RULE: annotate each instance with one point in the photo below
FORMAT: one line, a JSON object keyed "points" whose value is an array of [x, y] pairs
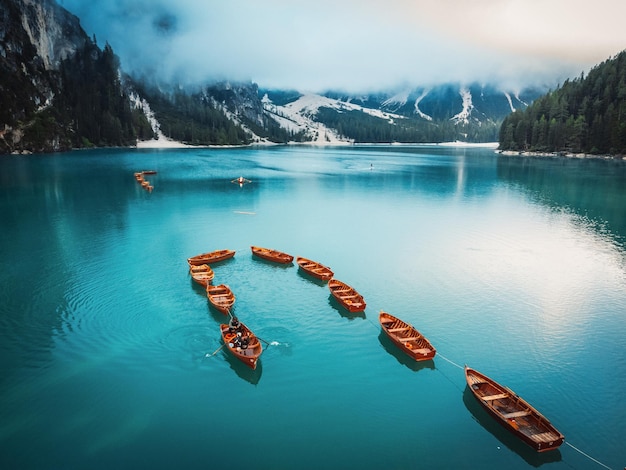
{"points": [[514, 266]]}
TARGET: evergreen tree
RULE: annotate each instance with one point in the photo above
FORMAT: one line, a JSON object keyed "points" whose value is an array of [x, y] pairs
{"points": [[587, 114]]}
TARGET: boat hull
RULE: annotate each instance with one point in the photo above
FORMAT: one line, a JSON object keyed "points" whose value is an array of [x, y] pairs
{"points": [[271, 255], [406, 338], [202, 274], [513, 412], [315, 269], [211, 257], [347, 296], [221, 297], [247, 355]]}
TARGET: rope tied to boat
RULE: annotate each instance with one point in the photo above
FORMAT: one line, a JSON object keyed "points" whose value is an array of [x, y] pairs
{"points": [[450, 361], [588, 456]]}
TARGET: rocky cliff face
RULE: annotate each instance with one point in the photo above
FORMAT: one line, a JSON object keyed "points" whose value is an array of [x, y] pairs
{"points": [[35, 36], [58, 89], [55, 33]]}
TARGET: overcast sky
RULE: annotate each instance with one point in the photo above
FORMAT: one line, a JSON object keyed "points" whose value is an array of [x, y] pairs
{"points": [[358, 45]]}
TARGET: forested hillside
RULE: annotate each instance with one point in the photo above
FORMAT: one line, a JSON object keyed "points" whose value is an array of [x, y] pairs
{"points": [[584, 115], [364, 128]]}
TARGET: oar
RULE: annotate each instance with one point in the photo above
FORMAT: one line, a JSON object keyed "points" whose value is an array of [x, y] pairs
{"points": [[217, 350], [267, 342]]}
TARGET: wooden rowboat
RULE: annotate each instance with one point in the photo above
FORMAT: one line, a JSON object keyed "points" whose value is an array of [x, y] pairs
{"points": [[221, 297], [346, 295], [212, 257], [406, 337], [315, 269], [202, 274], [513, 412], [242, 343], [271, 255]]}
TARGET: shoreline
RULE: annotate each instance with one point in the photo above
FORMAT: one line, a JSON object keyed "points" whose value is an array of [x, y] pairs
{"points": [[172, 144], [580, 156]]}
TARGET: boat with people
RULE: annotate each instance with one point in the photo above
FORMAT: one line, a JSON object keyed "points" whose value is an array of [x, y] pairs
{"points": [[513, 412], [202, 274], [406, 337], [241, 342], [314, 268], [241, 181], [346, 295], [221, 297], [211, 257], [271, 255]]}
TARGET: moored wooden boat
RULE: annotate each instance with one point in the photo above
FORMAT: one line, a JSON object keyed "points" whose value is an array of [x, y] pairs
{"points": [[211, 257], [406, 337], [315, 269], [271, 255], [513, 412], [221, 297], [202, 274], [346, 296], [242, 343]]}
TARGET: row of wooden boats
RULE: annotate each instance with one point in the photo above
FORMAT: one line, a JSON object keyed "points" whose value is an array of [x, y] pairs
{"points": [[511, 411], [242, 343], [145, 184]]}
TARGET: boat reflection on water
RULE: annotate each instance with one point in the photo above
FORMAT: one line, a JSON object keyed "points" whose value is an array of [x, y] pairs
{"points": [[246, 373], [312, 278], [334, 303], [401, 357], [536, 459]]}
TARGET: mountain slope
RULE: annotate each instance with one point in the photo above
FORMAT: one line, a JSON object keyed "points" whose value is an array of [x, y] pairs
{"points": [[443, 113]]}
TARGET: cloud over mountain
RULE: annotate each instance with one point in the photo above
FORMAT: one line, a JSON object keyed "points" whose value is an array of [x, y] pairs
{"points": [[357, 45]]}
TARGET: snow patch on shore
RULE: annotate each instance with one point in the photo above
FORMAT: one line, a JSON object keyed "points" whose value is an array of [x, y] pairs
{"points": [[161, 141]]}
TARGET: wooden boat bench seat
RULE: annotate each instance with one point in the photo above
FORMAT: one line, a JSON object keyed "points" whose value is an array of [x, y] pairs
{"points": [[411, 338], [422, 351], [396, 330], [516, 414], [495, 397], [544, 437], [347, 297]]}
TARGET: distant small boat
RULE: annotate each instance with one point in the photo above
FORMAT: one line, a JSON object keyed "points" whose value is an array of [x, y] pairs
{"points": [[406, 337], [241, 181], [346, 295], [212, 257], [271, 255], [149, 172], [513, 412], [314, 268], [242, 343], [221, 297], [202, 274]]}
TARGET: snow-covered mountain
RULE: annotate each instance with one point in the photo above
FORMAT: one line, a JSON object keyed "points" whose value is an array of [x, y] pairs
{"points": [[452, 105]]}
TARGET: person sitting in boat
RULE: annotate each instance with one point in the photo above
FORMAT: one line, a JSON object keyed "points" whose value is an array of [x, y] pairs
{"points": [[234, 325]]}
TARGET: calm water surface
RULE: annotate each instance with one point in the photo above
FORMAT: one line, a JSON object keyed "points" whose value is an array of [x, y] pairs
{"points": [[516, 267]]}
